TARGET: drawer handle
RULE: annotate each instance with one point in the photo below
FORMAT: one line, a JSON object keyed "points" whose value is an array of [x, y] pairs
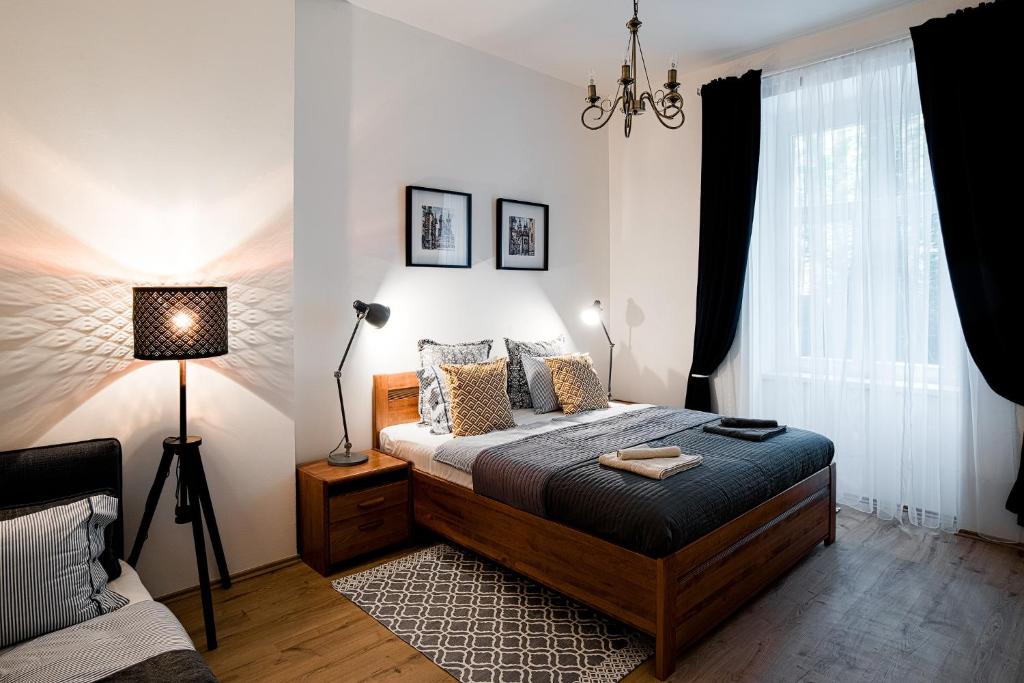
{"points": [[371, 525], [373, 502]]}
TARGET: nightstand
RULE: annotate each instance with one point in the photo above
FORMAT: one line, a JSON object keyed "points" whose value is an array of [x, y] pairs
{"points": [[345, 512]]}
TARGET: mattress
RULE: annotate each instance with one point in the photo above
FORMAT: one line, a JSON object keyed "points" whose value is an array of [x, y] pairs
{"points": [[414, 443]]}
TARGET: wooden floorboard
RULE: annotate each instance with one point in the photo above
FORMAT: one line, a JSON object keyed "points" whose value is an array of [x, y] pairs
{"points": [[885, 603]]}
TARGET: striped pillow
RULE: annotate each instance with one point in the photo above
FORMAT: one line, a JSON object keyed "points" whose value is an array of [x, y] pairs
{"points": [[542, 389], [518, 388], [52, 577]]}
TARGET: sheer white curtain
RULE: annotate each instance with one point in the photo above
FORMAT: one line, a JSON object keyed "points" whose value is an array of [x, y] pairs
{"points": [[849, 327]]}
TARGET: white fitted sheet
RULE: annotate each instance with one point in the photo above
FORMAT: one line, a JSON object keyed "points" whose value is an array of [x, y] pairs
{"points": [[414, 443], [129, 585]]}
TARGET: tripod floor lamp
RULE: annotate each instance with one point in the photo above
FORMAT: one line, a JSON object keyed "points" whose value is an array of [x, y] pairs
{"points": [[183, 323], [377, 315]]}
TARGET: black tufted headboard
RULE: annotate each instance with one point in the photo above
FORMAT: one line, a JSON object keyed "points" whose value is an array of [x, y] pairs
{"points": [[45, 474]]}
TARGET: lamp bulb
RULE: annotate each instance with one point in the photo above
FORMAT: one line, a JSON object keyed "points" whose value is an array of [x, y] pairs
{"points": [[590, 316], [182, 321]]}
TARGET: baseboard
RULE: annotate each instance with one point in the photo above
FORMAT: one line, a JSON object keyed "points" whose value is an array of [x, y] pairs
{"points": [[238, 576], [974, 535]]}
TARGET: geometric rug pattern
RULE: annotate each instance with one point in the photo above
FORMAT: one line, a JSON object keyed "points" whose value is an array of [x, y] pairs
{"points": [[482, 623]]}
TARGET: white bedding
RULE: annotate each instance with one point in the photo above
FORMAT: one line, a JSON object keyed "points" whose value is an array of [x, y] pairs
{"points": [[414, 443], [129, 585]]}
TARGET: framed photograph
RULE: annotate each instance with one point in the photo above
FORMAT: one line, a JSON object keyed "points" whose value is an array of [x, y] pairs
{"points": [[522, 235], [438, 228]]}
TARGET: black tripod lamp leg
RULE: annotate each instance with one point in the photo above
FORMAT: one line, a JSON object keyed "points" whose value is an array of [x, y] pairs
{"points": [[151, 501], [190, 474], [203, 492]]}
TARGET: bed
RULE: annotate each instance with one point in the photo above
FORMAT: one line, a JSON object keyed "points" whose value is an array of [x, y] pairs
{"points": [[138, 642], [676, 597]]}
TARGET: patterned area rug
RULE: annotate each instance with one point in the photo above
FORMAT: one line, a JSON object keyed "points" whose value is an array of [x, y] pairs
{"points": [[481, 622]]}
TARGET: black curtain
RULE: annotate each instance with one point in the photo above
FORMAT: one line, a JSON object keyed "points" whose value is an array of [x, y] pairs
{"points": [[731, 140], [970, 72]]}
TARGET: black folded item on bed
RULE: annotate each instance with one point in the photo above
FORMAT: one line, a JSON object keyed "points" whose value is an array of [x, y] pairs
{"points": [[747, 422], [746, 433], [556, 475]]}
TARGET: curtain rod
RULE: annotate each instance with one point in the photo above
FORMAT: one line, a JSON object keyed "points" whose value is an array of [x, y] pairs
{"points": [[835, 57], [827, 59]]}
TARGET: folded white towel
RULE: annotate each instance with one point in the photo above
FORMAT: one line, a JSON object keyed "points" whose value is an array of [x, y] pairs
{"points": [[655, 468], [645, 452]]}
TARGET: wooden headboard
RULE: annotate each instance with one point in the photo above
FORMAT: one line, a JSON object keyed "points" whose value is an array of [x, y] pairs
{"points": [[395, 400]]}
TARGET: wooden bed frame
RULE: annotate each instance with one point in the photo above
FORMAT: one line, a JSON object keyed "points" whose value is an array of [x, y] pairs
{"points": [[677, 598]]}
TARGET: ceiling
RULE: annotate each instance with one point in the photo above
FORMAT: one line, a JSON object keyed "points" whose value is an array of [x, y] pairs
{"points": [[568, 39]]}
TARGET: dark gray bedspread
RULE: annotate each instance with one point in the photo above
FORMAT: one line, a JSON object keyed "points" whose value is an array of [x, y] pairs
{"points": [[556, 475], [180, 666]]}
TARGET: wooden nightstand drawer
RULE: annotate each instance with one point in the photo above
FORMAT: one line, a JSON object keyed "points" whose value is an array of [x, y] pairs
{"points": [[350, 505], [344, 512], [359, 535]]}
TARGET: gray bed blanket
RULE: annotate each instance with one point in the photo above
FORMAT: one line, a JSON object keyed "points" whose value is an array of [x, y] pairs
{"points": [[518, 473], [555, 474], [141, 641]]}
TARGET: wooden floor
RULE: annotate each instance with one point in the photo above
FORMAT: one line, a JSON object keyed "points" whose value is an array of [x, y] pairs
{"points": [[884, 603]]}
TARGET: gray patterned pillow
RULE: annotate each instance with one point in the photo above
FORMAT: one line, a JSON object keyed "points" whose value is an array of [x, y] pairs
{"points": [[434, 389], [518, 387], [52, 574], [435, 353], [542, 389]]}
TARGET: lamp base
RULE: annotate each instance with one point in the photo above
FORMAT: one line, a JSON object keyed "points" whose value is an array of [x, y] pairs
{"points": [[347, 459]]}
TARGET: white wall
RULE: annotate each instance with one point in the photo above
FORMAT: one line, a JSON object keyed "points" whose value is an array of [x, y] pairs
{"points": [[381, 105], [655, 210], [144, 142]]}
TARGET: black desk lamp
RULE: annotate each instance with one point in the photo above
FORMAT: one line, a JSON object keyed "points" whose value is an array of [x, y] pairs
{"points": [[377, 315], [591, 315], [182, 323]]}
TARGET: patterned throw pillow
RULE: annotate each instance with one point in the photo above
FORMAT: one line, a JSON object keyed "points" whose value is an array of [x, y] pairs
{"points": [[479, 401], [576, 384], [542, 389], [518, 387], [52, 574], [434, 387], [436, 353]]}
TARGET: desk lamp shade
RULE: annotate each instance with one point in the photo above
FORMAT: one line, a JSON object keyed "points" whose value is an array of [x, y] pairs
{"points": [[180, 323], [375, 314]]}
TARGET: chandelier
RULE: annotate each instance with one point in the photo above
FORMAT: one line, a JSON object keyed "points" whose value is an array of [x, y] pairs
{"points": [[666, 104]]}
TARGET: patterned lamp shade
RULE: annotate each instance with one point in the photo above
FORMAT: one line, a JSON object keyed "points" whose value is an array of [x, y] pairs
{"points": [[180, 323]]}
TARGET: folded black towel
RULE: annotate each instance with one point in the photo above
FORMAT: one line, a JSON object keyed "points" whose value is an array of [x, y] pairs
{"points": [[748, 422], [746, 434]]}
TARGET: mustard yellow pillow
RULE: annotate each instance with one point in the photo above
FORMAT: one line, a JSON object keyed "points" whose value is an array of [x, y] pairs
{"points": [[576, 384], [479, 397]]}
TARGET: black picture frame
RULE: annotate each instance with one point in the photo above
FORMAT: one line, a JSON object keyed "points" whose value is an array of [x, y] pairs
{"points": [[467, 233], [501, 260]]}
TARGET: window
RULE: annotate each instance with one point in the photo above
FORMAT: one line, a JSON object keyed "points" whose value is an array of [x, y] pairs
{"points": [[849, 326]]}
